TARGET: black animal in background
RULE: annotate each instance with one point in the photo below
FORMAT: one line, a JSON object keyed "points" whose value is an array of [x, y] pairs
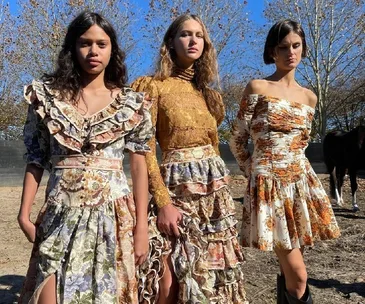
{"points": [[344, 152]]}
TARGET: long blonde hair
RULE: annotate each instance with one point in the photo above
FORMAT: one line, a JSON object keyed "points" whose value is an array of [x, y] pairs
{"points": [[206, 67]]}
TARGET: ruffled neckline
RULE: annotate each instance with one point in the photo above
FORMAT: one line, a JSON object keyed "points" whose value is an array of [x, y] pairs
{"points": [[185, 74], [68, 126]]}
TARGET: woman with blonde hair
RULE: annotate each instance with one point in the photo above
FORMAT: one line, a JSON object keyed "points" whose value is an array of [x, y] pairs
{"points": [[195, 256]]}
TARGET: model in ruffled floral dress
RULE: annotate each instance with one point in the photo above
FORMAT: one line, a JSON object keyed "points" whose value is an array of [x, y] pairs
{"points": [[196, 236], [92, 231], [286, 207]]}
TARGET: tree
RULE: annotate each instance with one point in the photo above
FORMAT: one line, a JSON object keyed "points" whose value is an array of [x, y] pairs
{"points": [[335, 32], [42, 26], [350, 112], [11, 112], [32, 41], [232, 92], [226, 20]]}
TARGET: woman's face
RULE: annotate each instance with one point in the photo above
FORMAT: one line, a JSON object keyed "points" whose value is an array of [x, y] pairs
{"points": [[288, 53], [93, 49], [188, 43]]}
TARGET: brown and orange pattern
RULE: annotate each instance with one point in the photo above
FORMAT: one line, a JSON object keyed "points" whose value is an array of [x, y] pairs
{"points": [[285, 204]]}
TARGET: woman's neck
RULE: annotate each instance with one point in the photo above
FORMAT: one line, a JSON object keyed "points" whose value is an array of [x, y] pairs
{"points": [[93, 82], [286, 78], [186, 74], [184, 65]]}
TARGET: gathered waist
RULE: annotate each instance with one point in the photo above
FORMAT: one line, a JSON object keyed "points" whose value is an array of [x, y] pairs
{"points": [[86, 162], [188, 154]]}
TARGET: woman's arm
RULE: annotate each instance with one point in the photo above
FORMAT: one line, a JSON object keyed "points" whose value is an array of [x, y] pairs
{"points": [[168, 216], [241, 130], [140, 193], [32, 178]]}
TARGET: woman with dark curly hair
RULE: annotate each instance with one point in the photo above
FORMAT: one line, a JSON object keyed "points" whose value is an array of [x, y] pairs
{"points": [[92, 231], [195, 256]]}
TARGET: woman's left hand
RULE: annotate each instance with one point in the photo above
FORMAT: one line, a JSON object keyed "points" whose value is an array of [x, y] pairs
{"points": [[141, 244]]}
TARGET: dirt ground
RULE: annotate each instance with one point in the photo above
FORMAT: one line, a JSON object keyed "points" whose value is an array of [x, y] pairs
{"points": [[336, 268]]}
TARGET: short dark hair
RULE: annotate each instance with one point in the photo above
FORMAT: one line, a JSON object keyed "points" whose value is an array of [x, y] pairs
{"points": [[67, 77], [277, 33]]}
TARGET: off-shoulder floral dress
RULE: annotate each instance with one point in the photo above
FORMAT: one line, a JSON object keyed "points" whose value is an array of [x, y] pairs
{"points": [[285, 204], [85, 229]]}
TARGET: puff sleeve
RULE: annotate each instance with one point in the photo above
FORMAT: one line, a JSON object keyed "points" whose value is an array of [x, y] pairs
{"points": [[36, 134], [136, 140], [241, 133], [158, 188]]}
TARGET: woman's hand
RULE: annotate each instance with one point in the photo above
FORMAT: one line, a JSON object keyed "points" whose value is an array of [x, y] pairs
{"points": [[168, 218], [141, 244], [28, 228]]}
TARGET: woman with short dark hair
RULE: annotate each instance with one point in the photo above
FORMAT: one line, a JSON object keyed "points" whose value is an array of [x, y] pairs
{"points": [[286, 207]]}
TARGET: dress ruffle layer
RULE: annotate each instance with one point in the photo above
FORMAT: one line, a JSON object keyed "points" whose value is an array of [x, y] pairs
{"points": [[124, 114], [207, 257], [287, 215], [195, 177]]}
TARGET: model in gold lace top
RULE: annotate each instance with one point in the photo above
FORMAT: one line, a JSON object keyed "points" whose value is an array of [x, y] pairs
{"points": [[184, 121]]}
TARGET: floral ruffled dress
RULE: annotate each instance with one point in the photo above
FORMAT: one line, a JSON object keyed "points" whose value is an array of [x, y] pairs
{"points": [[207, 258], [85, 229], [285, 204]]}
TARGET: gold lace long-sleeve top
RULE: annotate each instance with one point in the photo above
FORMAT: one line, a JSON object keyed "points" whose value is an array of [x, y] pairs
{"points": [[182, 120]]}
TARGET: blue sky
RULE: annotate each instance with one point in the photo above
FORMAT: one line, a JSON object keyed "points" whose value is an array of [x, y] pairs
{"points": [[254, 6]]}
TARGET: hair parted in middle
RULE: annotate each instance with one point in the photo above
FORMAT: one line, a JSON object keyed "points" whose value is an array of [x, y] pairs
{"points": [[205, 68], [66, 79], [277, 33]]}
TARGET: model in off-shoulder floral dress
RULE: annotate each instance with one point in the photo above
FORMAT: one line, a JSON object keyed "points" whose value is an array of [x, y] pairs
{"points": [[85, 229], [285, 205]]}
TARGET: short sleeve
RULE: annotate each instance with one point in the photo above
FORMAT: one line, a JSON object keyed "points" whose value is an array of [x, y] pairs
{"points": [[136, 140], [36, 140]]}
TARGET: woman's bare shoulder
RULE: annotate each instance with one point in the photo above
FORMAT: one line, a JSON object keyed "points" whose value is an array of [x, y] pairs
{"points": [[311, 97], [256, 86]]}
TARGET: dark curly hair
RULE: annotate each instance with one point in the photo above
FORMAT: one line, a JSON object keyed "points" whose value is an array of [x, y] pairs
{"points": [[66, 79]]}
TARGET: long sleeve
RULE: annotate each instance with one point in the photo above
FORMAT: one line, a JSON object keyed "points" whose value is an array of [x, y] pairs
{"points": [[158, 188], [241, 133]]}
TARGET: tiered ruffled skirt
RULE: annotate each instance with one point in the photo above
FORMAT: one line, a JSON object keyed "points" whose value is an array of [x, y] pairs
{"points": [[207, 258]]}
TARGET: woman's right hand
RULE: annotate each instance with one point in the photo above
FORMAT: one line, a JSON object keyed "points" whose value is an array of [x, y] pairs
{"points": [[28, 228], [168, 218]]}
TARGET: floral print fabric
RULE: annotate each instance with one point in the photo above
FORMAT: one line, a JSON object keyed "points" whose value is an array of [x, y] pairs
{"points": [[85, 230], [207, 258], [285, 204]]}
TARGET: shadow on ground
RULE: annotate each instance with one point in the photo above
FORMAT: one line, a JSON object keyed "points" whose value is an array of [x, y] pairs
{"points": [[10, 286], [348, 213], [345, 288]]}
